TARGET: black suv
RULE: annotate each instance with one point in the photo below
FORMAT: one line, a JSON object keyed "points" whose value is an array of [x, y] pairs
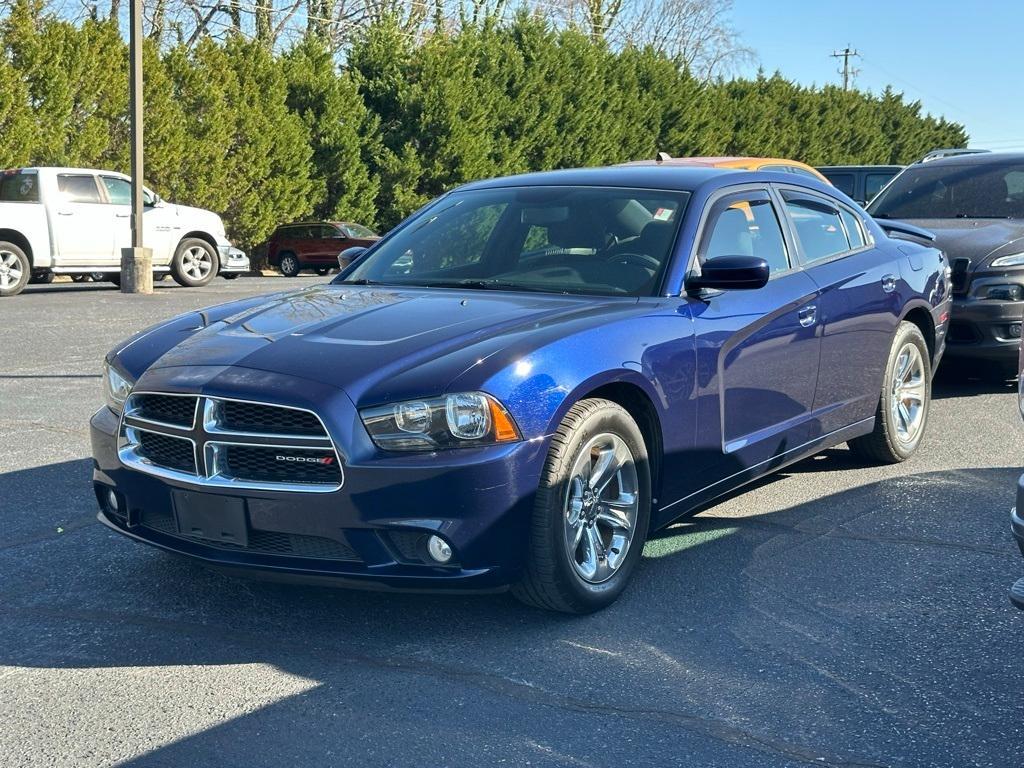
{"points": [[974, 204], [860, 182]]}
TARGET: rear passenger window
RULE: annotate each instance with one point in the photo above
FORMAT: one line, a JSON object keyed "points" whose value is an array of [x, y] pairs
{"points": [[818, 226], [853, 229], [745, 226], [19, 188], [78, 188]]}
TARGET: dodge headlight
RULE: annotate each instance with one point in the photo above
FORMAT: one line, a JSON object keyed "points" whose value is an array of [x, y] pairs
{"points": [[1013, 260], [117, 387], [458, 420]]}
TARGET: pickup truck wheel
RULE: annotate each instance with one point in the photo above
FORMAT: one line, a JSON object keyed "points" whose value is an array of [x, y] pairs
{"points": [[15, 269], [591, 511], [902, 413], [195, 263], [42, 277], [289, 265]]}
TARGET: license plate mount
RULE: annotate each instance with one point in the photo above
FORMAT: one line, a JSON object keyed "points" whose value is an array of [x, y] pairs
{"points": [[217, 519]]}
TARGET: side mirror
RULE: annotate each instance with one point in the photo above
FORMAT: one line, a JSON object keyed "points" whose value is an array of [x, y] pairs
{"points": [[730, 273], [349, 255]]}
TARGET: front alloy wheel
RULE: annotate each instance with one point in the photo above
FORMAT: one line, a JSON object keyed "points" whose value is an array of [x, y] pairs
{"points": [[591, 512], [195, 263], [601, 508]]}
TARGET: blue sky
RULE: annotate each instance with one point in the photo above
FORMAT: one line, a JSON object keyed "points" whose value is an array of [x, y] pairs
{"points": [[962, 60]]}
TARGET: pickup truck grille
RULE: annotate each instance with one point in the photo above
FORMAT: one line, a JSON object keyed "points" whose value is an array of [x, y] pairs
{"points": [[226, 443]]}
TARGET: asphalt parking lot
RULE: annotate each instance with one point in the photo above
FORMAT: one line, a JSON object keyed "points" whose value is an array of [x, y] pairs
{"points": [[836, 614]]}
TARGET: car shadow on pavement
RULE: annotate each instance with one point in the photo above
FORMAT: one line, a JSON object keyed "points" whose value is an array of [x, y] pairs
{"points": [[823, 632], [961, 380]]}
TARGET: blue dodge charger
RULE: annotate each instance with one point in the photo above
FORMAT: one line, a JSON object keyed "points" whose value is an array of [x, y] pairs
{"points": [[523, 380]]}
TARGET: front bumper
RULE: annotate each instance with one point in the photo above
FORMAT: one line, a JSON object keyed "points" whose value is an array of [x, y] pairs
{"points": [[1017, 528], [1017, 516], [233, 260], [370, 533], [983, 329]]}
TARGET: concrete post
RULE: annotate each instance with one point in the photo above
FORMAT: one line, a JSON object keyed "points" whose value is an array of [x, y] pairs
{"points": [[136, 270]]}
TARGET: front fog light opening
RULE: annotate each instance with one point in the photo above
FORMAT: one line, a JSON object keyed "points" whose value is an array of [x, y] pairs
{"points": [[439, 550], [112, 502]]}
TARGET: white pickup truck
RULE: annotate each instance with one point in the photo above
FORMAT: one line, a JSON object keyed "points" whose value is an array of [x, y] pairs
{"points": [[76, 221]]}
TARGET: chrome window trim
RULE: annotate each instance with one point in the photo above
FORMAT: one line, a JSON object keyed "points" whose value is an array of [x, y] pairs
{"points": [[204, 477]]}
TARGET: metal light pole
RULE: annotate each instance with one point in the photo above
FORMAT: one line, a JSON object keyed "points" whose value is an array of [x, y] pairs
{"points": [[137, 261]]}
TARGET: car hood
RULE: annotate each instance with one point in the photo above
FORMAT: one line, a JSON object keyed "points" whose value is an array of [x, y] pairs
{"points": [[355, 338], [975, 239]]}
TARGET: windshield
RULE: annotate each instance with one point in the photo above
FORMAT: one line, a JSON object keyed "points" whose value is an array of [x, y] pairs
{"points": [[957, 191], [358, 230], [588, 240]]}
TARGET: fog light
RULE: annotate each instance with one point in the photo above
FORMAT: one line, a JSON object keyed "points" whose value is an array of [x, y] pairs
{"points": [[112, 501], [1014, 330], [438, 549]]}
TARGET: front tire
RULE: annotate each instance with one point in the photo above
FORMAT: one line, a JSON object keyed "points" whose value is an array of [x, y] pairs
{"points": [[902, 413], [15, 269], [591, 513], [195, 263]]}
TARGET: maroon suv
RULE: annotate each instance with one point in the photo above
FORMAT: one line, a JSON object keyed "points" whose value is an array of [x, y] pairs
{"points": [[314, 245]]}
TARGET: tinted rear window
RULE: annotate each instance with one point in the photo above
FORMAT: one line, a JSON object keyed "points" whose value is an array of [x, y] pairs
{"points": [[844, 182], [962, 190], [874, 182], [19, 187]]}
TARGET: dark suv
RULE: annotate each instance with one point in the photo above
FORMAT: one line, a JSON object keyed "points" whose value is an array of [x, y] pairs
{"points": [[314, 245], [974, 203], [860, 182]]}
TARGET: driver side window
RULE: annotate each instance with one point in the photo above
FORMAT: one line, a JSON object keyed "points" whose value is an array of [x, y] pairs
{"points": [[745, 225]]}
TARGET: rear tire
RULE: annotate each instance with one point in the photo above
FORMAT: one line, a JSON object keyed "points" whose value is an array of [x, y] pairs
{"points": [[323, 271], [902, 413], [195, 263], [589, 526], [15, 269], [289, 265], [42, 277]]}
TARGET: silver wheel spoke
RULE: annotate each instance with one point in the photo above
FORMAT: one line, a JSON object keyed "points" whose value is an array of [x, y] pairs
{"points": [[615, 516]]}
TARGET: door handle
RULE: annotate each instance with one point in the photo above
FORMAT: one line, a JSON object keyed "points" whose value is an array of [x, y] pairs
{"points": [[65, 213], [808, 315], [123, 215], [889, 283]]}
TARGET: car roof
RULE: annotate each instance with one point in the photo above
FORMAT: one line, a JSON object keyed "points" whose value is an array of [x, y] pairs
{"points": [[976, 158], [869, 168], [678, 178]]}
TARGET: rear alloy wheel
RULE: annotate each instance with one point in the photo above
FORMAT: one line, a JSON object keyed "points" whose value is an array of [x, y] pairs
{"points": [[195, 263], [903, 407], [14, 269], [592, 511], [289, 265]]}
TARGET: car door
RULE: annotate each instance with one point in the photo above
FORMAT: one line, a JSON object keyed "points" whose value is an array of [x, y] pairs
{"points": [[757, 350], [82, 222], [857, 309], [159, 231], [326, 245]]}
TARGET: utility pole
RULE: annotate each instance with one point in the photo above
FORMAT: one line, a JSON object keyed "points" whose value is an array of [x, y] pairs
{"points": [[847, 72], [136, 261]]}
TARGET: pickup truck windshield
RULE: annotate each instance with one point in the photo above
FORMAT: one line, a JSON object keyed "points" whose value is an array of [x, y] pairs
{"points": [[963, 190], [587, 240]]}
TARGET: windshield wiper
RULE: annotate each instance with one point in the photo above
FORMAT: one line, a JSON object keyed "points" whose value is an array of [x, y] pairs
{"points": [[359, 281], [483, 285], [977, 216]]}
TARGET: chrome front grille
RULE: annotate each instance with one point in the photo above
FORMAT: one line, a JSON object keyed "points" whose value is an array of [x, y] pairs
{"points": [[227, 443]]}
